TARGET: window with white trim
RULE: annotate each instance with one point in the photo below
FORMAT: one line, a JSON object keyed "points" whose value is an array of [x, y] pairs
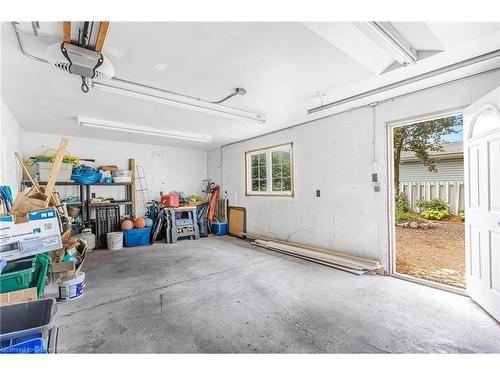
{"points": [[269, 171]]}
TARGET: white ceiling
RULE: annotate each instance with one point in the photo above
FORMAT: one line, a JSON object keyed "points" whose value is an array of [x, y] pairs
{"points": [[283, 67]]}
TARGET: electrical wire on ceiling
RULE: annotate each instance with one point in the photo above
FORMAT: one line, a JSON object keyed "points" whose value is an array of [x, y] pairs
{"points": [[237, 91]]}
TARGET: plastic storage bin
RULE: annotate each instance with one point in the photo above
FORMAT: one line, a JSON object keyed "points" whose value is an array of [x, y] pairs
{"points": [[25, 321], [219, 229], [25, 273], [35, 346], [44, 169], [17, 275], [136, 237]]}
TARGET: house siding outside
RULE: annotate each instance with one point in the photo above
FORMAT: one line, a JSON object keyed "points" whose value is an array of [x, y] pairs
{"points": [[447, 170], [447, 183]]}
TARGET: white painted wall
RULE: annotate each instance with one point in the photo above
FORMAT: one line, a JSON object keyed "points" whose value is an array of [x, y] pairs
{"points": [[11, 135], [166, 168], [335, 155]]}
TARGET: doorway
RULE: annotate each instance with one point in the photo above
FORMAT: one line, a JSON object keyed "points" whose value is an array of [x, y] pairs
{"points": [[427, 194]]}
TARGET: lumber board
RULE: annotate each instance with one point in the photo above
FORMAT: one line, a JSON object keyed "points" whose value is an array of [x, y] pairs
{"points": [[313, 248], [53, 198], [354, 272], [103, 29], [27, 173], [56, 167], [67, 31], [324, 257], [236, 221], [133, 208]]}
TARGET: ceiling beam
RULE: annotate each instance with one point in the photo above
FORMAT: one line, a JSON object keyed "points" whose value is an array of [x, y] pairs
{"points": [[103, 29]]}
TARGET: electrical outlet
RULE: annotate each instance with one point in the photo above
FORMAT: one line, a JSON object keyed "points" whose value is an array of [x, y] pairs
{"points": [[376, 186]]}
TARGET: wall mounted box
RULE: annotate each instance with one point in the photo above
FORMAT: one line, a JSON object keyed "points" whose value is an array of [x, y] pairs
{"points": [[39, 233]]}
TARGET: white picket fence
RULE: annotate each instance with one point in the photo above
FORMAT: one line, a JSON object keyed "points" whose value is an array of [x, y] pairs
{"points": [[452, 192]]}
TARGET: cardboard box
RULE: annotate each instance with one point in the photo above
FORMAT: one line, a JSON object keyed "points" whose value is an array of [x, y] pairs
{"points": [[62, 271], [26, 201], [38, 234], [24, 295]]}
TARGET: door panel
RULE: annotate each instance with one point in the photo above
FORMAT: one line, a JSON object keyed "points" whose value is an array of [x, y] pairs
{"points": [[495, 261], [482, 216], [474, 177], [494, 174]]}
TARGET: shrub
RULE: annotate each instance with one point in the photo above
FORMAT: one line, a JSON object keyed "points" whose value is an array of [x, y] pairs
{"points": [[435, 204], [435, 214], [407, 216], [461, 213], [402, 204]]}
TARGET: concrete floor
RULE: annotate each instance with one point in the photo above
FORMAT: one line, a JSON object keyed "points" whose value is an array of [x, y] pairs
{"points": [[225, 295]]}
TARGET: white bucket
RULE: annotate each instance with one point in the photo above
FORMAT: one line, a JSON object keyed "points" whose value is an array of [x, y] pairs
{"points": [[115, 240], [72, 288]]}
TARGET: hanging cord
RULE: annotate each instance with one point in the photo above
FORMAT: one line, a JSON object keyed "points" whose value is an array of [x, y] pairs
{"points": [[237, 91]]}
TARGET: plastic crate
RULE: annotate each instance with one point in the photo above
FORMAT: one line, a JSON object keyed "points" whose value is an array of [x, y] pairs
{"points": [[136, 237], [17, 275], [107, 220], [25, 273], [25, 321], [40, 274], [35, 346]]}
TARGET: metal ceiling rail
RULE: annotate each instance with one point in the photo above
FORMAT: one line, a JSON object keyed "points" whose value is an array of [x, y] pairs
{"points": [[407, 81]]}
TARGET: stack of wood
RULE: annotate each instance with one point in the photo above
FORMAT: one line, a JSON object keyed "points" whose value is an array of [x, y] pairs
{"points": [[349, 263]]}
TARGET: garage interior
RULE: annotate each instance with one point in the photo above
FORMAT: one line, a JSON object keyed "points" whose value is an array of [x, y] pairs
{"points": [[226, 187]]}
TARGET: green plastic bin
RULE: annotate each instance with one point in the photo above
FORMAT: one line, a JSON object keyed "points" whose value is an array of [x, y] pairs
{"points": [[17, 275], [25, 273], [40, 274]]}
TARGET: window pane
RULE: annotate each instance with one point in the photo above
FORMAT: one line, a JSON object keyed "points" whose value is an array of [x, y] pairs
{"points": [[287, 184], [255, 173], [286, 171], [263, 185], [255, 185], [277, 184], [262, 172], [255, 160], [276, 171], [262, 159], [277, 157]]}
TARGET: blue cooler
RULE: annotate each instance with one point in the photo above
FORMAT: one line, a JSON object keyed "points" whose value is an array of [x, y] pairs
{"points": [[136, 237]]}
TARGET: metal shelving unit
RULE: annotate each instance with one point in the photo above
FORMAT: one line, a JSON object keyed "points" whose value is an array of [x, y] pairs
{"points": [[85, 195]]}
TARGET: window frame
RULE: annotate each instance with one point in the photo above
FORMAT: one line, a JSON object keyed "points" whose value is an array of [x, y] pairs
{"points": [[268, 151]]}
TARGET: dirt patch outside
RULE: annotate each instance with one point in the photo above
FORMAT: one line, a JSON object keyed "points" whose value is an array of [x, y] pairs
{"points": [[436, 254]]}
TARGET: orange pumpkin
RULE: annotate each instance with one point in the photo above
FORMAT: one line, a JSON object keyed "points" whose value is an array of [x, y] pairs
{"points": [[140, 222], [127, 224]]}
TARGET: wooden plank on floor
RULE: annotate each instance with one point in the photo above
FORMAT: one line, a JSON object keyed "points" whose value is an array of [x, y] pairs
{"points": [[313, 248], [355, 272]]}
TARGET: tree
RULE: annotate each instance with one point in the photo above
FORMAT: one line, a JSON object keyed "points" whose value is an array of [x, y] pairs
{"points": [[421, 139]]}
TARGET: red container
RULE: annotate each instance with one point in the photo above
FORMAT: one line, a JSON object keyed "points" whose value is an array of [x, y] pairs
{"points": [[170, 200]]}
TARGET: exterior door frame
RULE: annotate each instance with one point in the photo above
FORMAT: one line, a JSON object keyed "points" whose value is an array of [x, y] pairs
{"points": [[391, 220]]}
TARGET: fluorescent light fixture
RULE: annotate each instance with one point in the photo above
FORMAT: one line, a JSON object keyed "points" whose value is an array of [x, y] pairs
{"points": [[139, 91], [136, 129], [395, 43]]}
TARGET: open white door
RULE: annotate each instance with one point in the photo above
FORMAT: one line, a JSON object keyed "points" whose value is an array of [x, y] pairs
{"points": [[482, 201]]}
